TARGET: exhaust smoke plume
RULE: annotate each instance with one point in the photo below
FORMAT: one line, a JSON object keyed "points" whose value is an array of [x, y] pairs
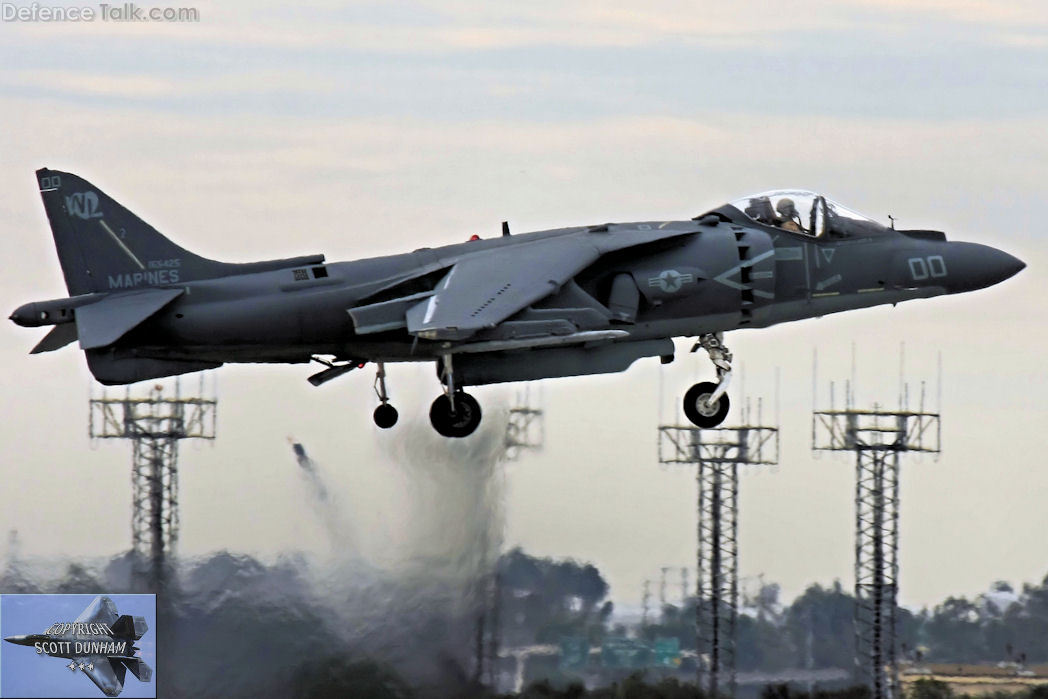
{"points": [[333, 625]]}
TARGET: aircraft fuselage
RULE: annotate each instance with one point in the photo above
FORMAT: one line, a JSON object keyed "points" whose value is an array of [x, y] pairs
{"points": [[726, 277]]}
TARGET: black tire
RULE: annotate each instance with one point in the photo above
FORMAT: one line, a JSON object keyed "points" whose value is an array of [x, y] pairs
{"points": [[465, 420], [698, 412], [385, 416]]}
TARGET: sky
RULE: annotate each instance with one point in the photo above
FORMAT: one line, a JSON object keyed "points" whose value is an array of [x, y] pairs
{"points": [[26, 674], [360, 129]]}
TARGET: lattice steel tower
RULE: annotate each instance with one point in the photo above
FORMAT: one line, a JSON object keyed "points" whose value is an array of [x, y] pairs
{"points": [[877, 438], [525, 431], [154, 424], [717, 454]]}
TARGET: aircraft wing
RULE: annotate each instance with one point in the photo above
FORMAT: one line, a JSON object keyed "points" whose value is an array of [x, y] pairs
{"points": [[482, 290], [107, 674], [101, 610]]}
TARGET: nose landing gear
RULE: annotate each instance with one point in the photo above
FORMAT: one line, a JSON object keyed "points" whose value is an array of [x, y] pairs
{"points": [[706, 404]]}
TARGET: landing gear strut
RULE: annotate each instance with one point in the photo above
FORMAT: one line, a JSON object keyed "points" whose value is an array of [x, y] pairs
{"points": [[706, 404], [385, 415], [455, 413]]}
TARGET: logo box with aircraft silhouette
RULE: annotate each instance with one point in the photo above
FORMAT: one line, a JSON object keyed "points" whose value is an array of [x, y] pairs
{"points": [[77, 645]]}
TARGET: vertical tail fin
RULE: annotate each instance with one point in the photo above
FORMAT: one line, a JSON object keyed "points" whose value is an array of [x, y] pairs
{"points": [[104, 247], [127, 626]]}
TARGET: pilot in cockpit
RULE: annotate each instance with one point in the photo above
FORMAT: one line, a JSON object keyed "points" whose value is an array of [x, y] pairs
{"points": [[788, 219], [759, 209]]}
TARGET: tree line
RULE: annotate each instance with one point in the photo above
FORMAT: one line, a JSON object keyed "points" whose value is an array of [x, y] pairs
{"points": [[542, 600]]}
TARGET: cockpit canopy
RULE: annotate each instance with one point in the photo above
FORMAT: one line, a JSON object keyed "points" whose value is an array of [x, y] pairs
{"points": [[807, 213]]}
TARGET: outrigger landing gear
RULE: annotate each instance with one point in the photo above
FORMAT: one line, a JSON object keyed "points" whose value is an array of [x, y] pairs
{"points": [[706, 404], [455, 413], [385, 415]]}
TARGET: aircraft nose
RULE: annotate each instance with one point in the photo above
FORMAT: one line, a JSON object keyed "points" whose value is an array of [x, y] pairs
{"points": [[972, 266], [19, 640], [28, 316], [19, 316]]}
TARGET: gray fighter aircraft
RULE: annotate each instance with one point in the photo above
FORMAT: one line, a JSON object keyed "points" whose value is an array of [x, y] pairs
{"points": [[564, 302], [100, 643]]}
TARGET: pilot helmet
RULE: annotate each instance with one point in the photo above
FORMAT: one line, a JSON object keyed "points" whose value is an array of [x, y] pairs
{"points": [[785, 207]]}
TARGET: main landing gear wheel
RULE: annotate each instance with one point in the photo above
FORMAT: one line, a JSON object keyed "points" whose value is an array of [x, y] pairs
{"points": [[385, 416], [700, 411], [458, 423]]}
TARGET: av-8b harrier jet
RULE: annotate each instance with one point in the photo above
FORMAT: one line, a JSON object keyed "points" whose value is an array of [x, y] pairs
{"points": [[564, 302]]}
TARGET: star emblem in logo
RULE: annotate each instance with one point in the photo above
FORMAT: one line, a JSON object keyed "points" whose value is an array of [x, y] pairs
{"points": [[670, 280], [71, 666]]}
